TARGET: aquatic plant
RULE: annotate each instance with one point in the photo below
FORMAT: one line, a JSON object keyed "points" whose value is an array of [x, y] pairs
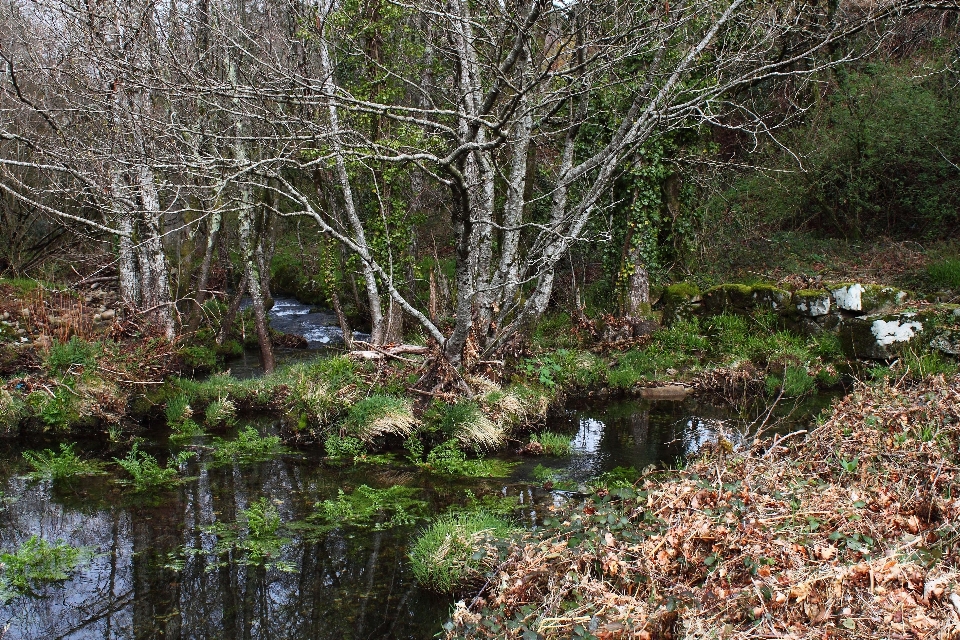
{"points": [[378, 415], [146, 474], [35, 562], [248, 446], [377, 508], [62, 465], [449, 459], [341, 447], [457, 548], [490, 503], [258, 536], [553, 444]]}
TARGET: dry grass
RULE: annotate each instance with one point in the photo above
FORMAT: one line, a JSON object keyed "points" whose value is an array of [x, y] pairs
{"points": [[851, 533]]}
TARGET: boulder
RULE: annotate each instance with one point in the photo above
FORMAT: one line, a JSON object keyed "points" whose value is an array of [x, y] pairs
{"points": [[680, 302], [868, 299], [743, 299], [878, 337], [811, 303]]}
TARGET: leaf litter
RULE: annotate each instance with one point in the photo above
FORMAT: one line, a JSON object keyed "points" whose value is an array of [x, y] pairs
{"points": [[850, 533]]}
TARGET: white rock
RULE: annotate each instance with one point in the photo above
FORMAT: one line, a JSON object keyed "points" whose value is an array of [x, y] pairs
{"points": [[888, 332], [849, 298]]}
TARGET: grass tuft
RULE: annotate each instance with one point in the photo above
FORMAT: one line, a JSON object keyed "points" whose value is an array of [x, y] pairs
{"points": [[378, 415], [456, 549]]}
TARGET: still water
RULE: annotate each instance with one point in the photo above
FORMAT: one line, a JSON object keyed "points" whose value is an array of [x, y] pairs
{"points": [[153, 572]]}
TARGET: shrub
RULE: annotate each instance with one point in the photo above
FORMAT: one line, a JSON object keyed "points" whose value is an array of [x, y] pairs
{"points": [[220, 412], [448, 459], [378, 415], [257, 537], [65, 465], [377, 508], [466, 422], [456, 549], [343, 446]]}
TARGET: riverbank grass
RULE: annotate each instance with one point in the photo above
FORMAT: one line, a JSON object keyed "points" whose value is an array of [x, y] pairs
{"points": [[457, 549]]}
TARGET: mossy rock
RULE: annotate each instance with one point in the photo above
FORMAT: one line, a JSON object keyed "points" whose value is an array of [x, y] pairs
{"points": [[882, 336], [868, 299], [745, 299], [680, 301], [811, 303]]}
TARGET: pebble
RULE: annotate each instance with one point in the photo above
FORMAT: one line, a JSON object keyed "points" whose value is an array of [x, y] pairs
{"points": [[25, 313], [5, 315], [108, 314]]}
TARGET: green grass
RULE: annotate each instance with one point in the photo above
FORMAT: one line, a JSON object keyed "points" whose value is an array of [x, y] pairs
{"points": [[220, 413], [466, 422], [256, 539], [553, 444], [454, 550], [378, 415], [75, 353], [945, 273], [343, 447], [60, 466], [36, 562]]}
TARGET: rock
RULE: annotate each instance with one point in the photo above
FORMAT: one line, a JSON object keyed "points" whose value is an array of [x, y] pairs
{"points": [[947, 342], [44, 341], [680, 301], [745, 299], [5, 316], [812, 303], [868, 299], [877, 337], [109, 314], [668, 392], [25, 313]]}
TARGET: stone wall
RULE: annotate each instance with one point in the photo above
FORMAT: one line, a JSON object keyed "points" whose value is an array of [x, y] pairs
{"points": [[872, 321]]}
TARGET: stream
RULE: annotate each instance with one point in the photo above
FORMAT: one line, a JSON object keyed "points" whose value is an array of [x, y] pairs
{"points": [[152, 572]]}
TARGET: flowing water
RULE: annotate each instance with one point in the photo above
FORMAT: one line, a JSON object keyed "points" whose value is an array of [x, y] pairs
{"points": [[153, 572]]}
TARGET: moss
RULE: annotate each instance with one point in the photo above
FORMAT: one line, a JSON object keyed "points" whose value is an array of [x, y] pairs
{"points": [[810, 294]]}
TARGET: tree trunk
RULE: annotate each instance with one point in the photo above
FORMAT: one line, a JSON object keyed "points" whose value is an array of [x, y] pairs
{"points": [[250, 240]]}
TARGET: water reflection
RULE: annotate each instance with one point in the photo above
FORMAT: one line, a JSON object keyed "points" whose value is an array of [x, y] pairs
{"points": [[345, 583]]}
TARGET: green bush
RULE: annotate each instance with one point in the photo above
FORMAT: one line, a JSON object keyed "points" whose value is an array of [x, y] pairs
{"points": [[455, 550], [378, 415], [377, 508], [449, 459], [339, 447], [553, 444], [256, 539], [220, 413]]}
